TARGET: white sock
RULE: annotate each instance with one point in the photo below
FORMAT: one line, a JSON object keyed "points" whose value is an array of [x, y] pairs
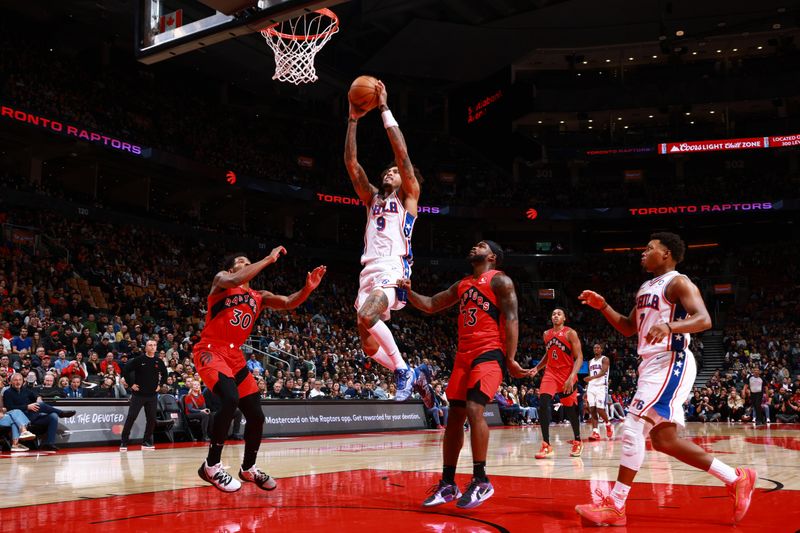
{"points": [[384, 337], [722, 472], [619, 494], [383, 359], [596, 430]]}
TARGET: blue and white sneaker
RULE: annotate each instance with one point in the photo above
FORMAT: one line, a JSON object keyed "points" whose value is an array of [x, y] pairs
{"points": [[404, 381], [477, 492], [442, 493]]}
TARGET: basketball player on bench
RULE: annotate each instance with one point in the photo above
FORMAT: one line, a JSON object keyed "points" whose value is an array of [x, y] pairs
{"points": [[387, 257]]}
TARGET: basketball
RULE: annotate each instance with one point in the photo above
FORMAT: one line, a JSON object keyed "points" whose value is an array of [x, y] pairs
{"points": [[363, 93]]}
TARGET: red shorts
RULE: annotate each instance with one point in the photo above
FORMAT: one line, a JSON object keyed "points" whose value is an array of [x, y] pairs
{"points": [[212, 359], [553, 385], [482, 373]]}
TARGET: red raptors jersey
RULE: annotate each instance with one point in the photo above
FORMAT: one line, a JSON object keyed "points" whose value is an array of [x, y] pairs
{"points": [[559, 354], [231, 315], [481, 327]]}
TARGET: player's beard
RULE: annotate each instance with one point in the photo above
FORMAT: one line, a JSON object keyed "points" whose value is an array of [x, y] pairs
{"points": [[476, 259]]}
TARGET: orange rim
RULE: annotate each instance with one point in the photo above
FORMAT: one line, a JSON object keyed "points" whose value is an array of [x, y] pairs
{"points": [[271, 31]]}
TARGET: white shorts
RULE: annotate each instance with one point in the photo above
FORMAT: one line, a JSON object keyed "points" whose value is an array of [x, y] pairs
{"points": [[665, 383], [383, 274], [596, 397]]}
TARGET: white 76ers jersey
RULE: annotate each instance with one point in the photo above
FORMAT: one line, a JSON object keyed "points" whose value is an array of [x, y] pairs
{"points": [[595, 367], [388, 231], [652, 307]]}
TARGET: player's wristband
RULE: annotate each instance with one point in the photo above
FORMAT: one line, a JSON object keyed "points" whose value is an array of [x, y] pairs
{"points": [[388, 119], [669, 328]]}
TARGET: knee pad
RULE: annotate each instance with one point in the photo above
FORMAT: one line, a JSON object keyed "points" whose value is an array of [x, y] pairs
{"points": [[634, 433]]}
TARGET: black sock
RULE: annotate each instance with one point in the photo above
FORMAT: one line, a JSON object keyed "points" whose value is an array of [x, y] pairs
{"points": [[572, 415], [545, 414], [449, 474], [249, 459], [214, 454], [479, 470]]}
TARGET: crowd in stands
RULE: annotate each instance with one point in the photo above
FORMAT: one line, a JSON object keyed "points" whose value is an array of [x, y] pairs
{"points": [[69, 324]]}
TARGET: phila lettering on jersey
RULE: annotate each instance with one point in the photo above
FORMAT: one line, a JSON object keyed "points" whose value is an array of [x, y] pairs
{"points": [[388, 231], [653, 307]]}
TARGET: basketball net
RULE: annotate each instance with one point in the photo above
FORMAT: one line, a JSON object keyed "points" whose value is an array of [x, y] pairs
{"points": [[296, 42]]}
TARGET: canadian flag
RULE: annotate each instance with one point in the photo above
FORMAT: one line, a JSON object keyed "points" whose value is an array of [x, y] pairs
{"points": [[170, 21]]}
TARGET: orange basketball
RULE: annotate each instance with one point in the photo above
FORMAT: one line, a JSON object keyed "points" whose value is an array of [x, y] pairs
{"points": [[363, 93]]}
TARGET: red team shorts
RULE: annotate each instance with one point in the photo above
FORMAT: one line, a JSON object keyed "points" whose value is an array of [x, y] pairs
{"points": [[479, 373], [553, 385], [212, 359]]}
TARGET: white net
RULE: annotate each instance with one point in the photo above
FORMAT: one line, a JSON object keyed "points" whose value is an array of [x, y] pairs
{"points": [[296, 42]]}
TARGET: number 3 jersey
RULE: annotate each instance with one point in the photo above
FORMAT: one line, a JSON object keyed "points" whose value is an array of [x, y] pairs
{"points": [[231, 316], [481, 326]]}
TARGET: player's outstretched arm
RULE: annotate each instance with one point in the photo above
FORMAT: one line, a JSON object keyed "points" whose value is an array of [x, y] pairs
{"points": [[503, 287], [430, 304], [410, 184], [682, 290], [227, 280], [364, 189], [624, 324], [577, 353], [277, 301]]}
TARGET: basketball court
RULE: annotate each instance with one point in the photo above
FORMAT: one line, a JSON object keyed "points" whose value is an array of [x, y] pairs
{"points": [[377, 481]]}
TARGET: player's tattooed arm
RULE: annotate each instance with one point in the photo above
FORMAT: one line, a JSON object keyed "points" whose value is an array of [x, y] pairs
{"points": [[227, 280], [503, 287], [364, 189], [410, 184], [430, 304]]}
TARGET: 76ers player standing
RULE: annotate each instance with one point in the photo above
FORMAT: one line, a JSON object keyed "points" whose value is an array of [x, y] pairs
{"points": [[233, 308], [668, 308], [387, 256], [563, 358], [487, 338]]}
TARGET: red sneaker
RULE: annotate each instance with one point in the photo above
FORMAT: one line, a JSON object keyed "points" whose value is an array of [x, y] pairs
{"points": [[545, 452], [604, 513], [577, 448], [742, 492], [609, 431], [594, 436]]}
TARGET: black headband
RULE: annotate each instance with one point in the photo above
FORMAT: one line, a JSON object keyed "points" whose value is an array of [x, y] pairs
{"points": [[497, 250]]}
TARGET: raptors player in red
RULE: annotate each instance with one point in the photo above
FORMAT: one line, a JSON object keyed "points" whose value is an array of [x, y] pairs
{"points": [[233, 308], [487, 338], [563, 357]]}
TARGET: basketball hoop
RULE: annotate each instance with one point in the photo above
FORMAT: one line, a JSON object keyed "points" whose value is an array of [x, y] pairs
{"points": [[296, 42]]}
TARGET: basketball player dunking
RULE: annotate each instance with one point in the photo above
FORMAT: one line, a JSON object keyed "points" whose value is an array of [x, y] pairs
{"points": [[667, 310], [597, 391], [487, 338], [233, 308], [562, 360], [387, 257]]}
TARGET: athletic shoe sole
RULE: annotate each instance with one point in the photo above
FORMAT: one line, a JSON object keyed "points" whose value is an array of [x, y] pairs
{"points": [[202, 473], [476, 503]]}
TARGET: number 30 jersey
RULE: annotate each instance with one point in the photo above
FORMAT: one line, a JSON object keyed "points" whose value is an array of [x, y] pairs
{"points": [[481, 326], [388, 231], [231, 316]]}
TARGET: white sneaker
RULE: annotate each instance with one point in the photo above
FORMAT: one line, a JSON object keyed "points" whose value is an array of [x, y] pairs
{"points": [[218, 477], [255, 475], [19, 448], [26, 435]]}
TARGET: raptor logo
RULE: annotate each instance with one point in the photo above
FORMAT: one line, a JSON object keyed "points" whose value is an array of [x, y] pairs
{"points": [[205, 358]]}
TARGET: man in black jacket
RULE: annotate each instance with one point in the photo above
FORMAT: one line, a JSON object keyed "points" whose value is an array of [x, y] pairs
{"points": [[144, 375]]}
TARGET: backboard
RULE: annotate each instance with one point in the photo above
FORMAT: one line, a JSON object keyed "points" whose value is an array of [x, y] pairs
{"points": [[168, 28]]}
